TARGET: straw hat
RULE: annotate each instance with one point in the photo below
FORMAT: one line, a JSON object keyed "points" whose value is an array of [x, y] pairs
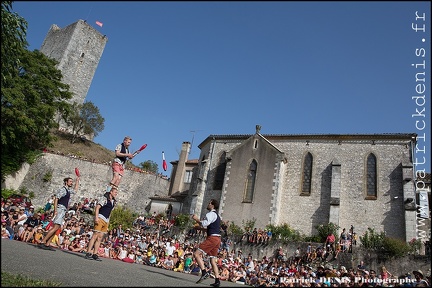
{"points": [[418, 272]]}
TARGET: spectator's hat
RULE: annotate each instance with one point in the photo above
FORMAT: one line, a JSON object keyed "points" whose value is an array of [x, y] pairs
{"points": [[419, 273], [22, 208], [3, 221], [320, 266], [31, 207]]}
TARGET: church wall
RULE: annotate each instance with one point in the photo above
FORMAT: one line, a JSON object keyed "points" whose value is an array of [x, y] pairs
{"points": [[303, 213], [242, 156], [354, 209]]}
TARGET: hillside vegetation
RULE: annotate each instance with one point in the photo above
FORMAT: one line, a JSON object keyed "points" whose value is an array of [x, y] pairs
{"points": [[82, 148]]}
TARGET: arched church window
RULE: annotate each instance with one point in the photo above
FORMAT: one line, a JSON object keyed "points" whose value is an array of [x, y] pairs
{"points": [[220, 173], [371, 176], [307, 174], [250, 182]]}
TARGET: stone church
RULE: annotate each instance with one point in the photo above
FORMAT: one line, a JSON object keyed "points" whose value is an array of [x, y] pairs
{"points": [[364, 180]]}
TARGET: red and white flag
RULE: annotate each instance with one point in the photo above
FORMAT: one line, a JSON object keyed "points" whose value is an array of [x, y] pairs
{"points": [[164, 165], [99, 23]]}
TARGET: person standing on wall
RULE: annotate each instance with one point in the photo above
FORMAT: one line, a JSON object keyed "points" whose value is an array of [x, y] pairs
{"points": [[61, 204], [210, 246], [122, 154], [102, 214]]}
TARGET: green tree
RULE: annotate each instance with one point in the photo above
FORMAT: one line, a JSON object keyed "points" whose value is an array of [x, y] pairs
{"points": [[29, 102], [13, 39], [84, 119], [149, 166], [122, 215]]}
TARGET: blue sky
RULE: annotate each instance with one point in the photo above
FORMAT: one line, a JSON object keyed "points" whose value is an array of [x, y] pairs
{"points": [[181, 71]]}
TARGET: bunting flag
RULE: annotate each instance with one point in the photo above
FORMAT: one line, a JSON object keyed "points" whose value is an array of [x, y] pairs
{"points": [[164, 165], [99, 23]]}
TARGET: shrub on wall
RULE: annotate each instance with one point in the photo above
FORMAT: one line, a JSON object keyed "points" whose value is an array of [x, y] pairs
{"points": [[182, 221], [284, 233], [372, 240], [235, 232], [386, 247], [394, 247], [324, 230], [47, 177]]}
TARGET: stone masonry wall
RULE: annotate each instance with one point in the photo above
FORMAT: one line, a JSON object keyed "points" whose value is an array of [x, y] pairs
{"points": [[134, 191]]}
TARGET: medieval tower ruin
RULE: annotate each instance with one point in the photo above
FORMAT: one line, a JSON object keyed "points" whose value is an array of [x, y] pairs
{"points": [[78, 48]]}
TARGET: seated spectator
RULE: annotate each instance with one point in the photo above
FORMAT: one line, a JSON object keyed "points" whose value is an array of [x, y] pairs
{"points": [[38, 235], [224, 273], [75, 245], [47, 223], [188, 262], [28, 234], [252, 279], [420, 280], [168, 263], [122, 252], [130, 258], [179, 267], [19, 234], [66, 242], [240, 275], [22, 218], [152, 260], [5, 233]]}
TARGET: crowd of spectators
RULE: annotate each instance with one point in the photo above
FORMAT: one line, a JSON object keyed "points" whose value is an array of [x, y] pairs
{"points": [[149, 243]]}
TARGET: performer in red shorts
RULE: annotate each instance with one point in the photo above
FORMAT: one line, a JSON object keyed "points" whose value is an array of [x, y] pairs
{"points": [[210, 246], [122, 154]]}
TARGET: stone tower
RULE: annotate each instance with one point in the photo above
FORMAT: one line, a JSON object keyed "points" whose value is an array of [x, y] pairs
{"points": [[78, 48]]}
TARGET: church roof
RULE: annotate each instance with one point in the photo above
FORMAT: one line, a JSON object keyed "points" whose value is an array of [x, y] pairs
{"points": [[338, 137]]}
